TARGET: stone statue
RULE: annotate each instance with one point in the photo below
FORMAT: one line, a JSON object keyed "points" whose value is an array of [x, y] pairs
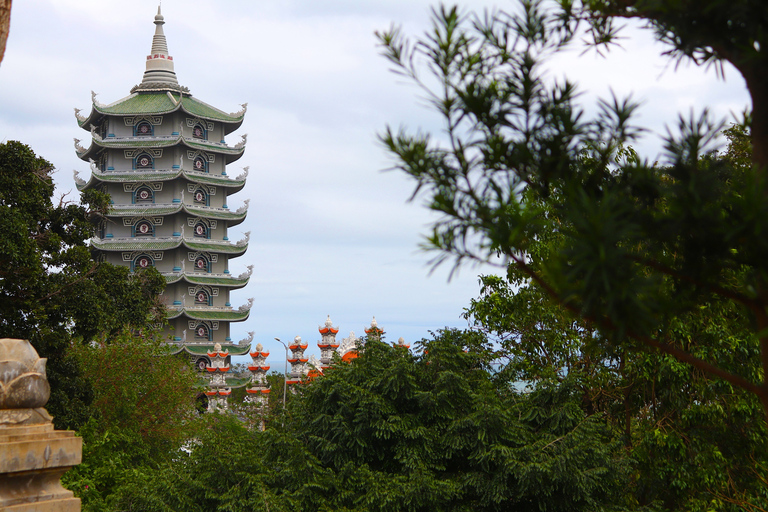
{"points": [[33, 456]]}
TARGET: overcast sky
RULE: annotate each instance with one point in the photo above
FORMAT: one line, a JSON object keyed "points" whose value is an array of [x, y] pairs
{"points": [[331, 233]]}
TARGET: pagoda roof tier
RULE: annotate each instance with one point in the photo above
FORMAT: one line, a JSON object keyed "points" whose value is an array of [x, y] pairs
{"points": [[209, 313], [133, 210], [167, 243], [98, 176], [201, 349], [230, 153], [161, 102], [227, 280]]}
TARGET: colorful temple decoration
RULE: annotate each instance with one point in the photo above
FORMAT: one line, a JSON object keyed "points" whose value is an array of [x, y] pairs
{"points": [[328, 343], [401, 343], [298, 361], [218, 389], [373, 330], [258, 387], [161, 154], [348, 348]]}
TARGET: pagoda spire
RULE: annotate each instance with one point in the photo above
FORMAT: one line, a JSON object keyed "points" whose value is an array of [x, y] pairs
{"points": [[159, 63]]}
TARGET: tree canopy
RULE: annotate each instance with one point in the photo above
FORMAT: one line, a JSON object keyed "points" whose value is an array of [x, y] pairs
{"points": [[640, 245], [54, 292]]}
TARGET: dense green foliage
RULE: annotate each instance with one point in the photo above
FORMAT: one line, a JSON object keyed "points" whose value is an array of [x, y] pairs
{"points": [[143, 411], [395, 431], [640, 246], [54, 293]]}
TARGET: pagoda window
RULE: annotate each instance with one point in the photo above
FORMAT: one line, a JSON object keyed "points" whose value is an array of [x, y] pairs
{"points": [[144, 161], [143, 195], [201, 197], [143, 261], [200, 164], [143, 228], [202, 332], [143, 129], [198, 132], [202, 264], [203, 298], [202, 231]]}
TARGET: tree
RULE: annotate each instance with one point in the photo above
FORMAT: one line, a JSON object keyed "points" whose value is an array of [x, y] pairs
{"points": [[54, 293], [5, 24], [394, 431], [640, 245], [143, 412]]}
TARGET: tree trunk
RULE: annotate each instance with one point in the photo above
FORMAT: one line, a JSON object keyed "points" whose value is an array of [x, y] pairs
{"points": [[756, 75], [5, 24]]}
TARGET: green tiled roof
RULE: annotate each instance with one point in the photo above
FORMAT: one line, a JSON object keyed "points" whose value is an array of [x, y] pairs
{"points": [[131, 209], [234, 315], [169, 209], [161, 103], [211, 213], [201, 109], [234, 282], [216, 246], [135, 142], [212, 179], [149, 243], [232, 153], [157, 103], [162, 175], [144, 244], [234, 350], [209, 146]]}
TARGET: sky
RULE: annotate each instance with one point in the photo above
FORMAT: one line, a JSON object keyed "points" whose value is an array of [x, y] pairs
{"points": [[332, 232]]}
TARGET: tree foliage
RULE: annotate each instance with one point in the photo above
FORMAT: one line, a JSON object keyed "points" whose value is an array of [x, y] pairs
{"points": [[393, 431], [54, 293], [143, 412], [639, 245], [698, 442]]}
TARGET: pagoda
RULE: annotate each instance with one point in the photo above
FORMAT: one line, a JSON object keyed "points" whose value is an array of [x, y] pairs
{"points": [[161, 155]]}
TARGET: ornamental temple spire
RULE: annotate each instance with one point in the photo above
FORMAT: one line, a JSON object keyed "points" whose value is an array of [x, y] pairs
{"points": [[161, 155], [159, 62]]}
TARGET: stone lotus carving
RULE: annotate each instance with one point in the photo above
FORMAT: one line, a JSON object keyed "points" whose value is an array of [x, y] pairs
{"points": [[23, 384]]}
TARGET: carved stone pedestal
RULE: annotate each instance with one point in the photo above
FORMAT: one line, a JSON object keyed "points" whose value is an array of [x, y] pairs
{"points": [[33, 456]]}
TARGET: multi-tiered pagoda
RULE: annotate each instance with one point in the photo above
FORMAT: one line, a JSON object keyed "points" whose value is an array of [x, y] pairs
{"points": [[161, 155]]}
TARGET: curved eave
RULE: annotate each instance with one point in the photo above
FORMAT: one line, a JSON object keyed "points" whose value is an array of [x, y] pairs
{"points": [[233, 218], [234, 315], [233, 185], [162, 102], [203, 349], [139, 244], [233, 250], [127, 177], [132, 210], [232, 282], [154, 244], [230, 153]]}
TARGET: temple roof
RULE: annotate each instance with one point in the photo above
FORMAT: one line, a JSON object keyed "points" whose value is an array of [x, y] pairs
{"points": [[164, 244], [201, 349], [159, 103], [97, 176], [231, 153], [160, 93], [220, 280], [231, 315], [133, 210]]}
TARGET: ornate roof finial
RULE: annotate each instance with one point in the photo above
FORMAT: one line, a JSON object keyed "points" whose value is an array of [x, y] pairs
{"points": [[159, 63]]}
